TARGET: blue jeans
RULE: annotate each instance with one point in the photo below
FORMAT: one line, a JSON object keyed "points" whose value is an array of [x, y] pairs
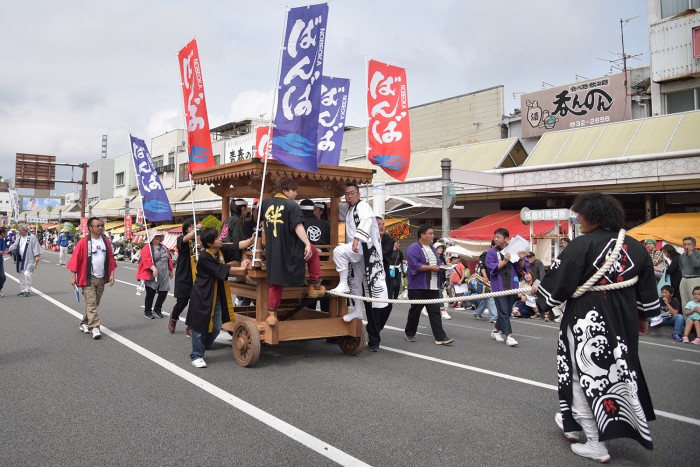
{"points": [[677, 322], [202, 340], [504, 306], [486, 303]]}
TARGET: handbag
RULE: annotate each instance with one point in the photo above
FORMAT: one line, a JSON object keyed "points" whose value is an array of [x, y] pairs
{"points": [[477, 284], [663, 280]]}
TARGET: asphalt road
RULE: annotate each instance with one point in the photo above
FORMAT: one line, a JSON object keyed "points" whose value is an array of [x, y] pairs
{"points": [[132, 398]]}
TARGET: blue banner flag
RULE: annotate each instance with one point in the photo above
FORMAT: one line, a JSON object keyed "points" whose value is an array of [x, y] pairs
{"points": [[331, 119], [295, 134], [154, 200]]}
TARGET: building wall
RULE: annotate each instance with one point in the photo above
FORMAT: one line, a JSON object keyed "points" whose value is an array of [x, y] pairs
{"points": [[103, 171], [464, 119], [166, 151], [124, 165]]}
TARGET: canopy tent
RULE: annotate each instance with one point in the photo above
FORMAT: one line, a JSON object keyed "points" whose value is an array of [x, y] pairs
{"points": [[671, 228], [476, 236]]}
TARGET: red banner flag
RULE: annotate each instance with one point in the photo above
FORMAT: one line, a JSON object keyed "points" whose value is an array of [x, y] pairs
{"points": [[389, 132], [198, 137], [262, 141], [127, 227]]}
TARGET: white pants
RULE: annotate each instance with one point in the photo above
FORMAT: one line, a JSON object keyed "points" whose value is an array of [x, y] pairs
{"points": [[580, 409], [63, 255], [25, 281], [344, 258]]}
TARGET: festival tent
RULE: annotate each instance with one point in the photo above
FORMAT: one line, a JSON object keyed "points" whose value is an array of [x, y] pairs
{"points": [[476, 236], [670, 228]]}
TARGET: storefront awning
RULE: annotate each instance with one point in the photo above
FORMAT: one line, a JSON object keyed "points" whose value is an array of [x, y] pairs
{"points": [[656, 135], [671, 228]]}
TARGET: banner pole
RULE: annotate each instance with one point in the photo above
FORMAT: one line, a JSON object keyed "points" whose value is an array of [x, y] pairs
{"points": [[367, 59], [268, 151]]}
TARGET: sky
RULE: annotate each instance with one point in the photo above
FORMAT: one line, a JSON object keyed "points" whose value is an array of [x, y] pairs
{"points": [[76, 70]]}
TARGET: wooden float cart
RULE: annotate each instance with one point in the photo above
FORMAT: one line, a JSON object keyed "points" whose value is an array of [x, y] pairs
{"points": [[296, 321]]}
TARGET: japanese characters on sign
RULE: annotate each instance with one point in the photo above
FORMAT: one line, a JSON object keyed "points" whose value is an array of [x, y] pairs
{"points": [[388, 128], [296, 118], [154, 200], [262, 142], [198, 137], [331, 119], [588, 103], [127, 227]]}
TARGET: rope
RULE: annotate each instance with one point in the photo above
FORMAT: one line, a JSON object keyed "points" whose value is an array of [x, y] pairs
{"points": [[586, 287]]}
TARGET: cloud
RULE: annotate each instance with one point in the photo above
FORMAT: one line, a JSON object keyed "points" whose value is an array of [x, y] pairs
{"points": [[252, 103]]}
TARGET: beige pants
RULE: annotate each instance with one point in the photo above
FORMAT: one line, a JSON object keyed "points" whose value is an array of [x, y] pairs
{"points": [[93, 294]]}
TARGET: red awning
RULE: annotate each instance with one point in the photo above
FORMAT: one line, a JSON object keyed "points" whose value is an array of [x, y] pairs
{"points": [[482, 229]]}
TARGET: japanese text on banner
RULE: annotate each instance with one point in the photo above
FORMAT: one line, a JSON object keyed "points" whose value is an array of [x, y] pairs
{"points": [[295, 134], [154, 200], [388, 128], [198, 136], [331, 119]]}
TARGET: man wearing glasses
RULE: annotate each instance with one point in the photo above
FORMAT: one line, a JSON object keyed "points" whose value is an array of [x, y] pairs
{"points": [[92, 265], [363, 253]]}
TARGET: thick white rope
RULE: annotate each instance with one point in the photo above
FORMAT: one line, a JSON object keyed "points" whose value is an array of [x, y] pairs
{"points": [[586, 287]]}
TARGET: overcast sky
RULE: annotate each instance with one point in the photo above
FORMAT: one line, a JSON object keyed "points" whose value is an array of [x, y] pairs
{"points": [[75, 70]]}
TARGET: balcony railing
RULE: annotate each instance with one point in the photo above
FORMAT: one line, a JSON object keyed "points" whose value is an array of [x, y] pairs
{"points": [[165, 168]]}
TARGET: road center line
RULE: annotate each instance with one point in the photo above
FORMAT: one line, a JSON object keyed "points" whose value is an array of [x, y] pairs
{"points": [[308, 440], [686, 361]]}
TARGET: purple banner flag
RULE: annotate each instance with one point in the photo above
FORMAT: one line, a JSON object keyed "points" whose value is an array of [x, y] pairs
{"points": [[295, 134], [331, 119], [154, 200]]}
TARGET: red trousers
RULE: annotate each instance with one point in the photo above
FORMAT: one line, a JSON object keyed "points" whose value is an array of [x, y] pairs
{"points": [[274, 291]]}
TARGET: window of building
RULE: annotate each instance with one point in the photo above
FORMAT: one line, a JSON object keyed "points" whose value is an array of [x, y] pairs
{"points": [[696, 42], [158, 161], [119, 179], [184, 174], [217, 157], [682, 101], [171, 158], [94, 178], [673, 7]]}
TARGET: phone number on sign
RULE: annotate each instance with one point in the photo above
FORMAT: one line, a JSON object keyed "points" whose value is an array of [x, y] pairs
{"points": [[592, 121]]}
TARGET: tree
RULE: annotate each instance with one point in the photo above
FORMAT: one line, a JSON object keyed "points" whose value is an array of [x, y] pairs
{"points": [[211, 221]]}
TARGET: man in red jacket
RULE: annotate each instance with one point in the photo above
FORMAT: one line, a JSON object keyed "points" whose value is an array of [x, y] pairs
{"points": [[92, 265]]}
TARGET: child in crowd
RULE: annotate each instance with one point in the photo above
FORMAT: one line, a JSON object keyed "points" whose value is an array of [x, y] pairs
{"points": [[526, 306], [692, 316], [458, 278], [670, 313]]}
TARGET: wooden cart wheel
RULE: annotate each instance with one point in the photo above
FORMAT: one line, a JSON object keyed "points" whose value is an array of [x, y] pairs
{"points": [[353, 345], [245, 344]]}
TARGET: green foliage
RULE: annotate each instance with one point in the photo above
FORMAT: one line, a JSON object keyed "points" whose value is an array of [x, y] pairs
{"points": [[211, 221]]}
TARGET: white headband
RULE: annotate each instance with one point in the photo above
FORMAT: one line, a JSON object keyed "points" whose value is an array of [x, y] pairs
{"points": [[306, 207], [241, 202], [319, 205]]}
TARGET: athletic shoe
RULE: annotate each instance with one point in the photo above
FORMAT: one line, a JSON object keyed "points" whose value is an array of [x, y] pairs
{"points": [[172, 323], [536, 316], [445, 341], [158, 313], [411, 338], [496, 335], [424, 312], [316, 291], [696, 341], [594, 450], [373, 348], [510, 342], [493, 321], [445, 315], [96, 334], [84, 328], [199, 363], [149, 316], [460, 308], [676, 337], [558, 319], [656, 320], [1, 295], [570, 435], [685, 339]]}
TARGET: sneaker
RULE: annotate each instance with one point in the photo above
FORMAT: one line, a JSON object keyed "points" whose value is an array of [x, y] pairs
{"points": [[496, 335], [158, 313], [149, 316], [96, 334], [199, 363], [445, 341], [493, 321], [510, 342], [594, 450], [656, 320], [316, 291], [411, 338], [1, 295], [696, 341], [424, 312], [373, 348], [676, 337], [445, 315], [84, 328], [460, 308], [536, 316], [570, 435], [685, 339], [558, 319]]}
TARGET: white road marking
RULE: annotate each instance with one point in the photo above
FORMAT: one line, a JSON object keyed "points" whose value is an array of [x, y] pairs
{"points": [[304, 438], [679, 346], [686, 361]]}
